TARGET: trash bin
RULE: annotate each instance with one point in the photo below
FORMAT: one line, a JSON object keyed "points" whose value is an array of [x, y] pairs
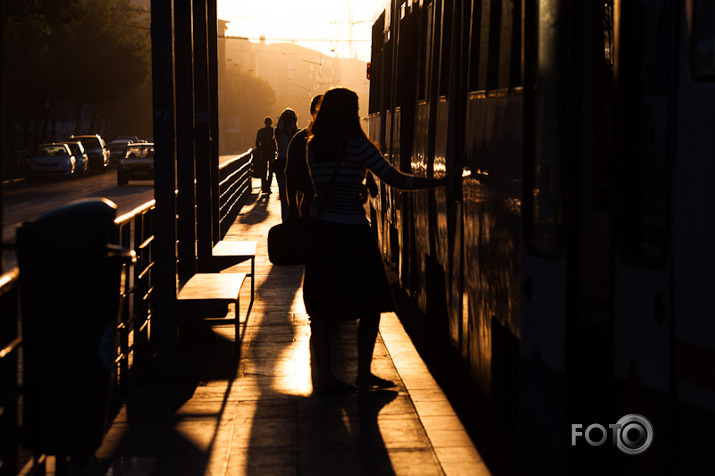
{"points": [[70, 278]]}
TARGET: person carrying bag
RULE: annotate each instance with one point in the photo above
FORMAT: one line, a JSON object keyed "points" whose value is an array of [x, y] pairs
{"points": [[344, 273], [289, 242]]}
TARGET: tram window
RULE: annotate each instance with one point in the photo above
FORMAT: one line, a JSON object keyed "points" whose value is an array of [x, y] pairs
{"points": [[506, 34], [376, 83], [608, 38], [384, 92], [386, 75], [445, 49], [515, 70], [376, 63], [426, 53], [475, 45], [703, 40], [495, 27], [428, 45], [484, 38]]}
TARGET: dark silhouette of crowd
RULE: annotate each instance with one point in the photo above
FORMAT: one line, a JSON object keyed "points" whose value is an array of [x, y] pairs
{"points": [[322, 172]]}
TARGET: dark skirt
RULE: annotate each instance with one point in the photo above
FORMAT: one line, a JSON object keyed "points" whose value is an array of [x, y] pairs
{"points": [[344, 274]]}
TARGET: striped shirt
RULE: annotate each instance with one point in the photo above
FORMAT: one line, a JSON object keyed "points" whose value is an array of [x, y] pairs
{"points": [[343, 201]]}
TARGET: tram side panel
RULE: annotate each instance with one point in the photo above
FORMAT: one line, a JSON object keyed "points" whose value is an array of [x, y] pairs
{"points": [[643, 324], [429, 276], [444, 235], [376, 203], [517, 262], [420, 159], [478, 238], [483, 281], [548, 129], [408, 73], [489, 217], [382, 107], [693, 237], [435, 272], [443, 207], [664, 347], [377, 72], [420, 206]]}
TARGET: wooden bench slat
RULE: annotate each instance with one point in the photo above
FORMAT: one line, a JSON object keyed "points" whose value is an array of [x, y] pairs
{"points": [[235, 248], [212, 287], [207, 296], [227, 253]]}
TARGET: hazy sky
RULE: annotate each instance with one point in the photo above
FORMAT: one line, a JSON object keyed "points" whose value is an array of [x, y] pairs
{"points": [[323, 25]]}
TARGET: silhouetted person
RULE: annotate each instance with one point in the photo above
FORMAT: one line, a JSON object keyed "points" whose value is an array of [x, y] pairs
{"points": [[299, 186], [285, 130], [344, 274], [265, 153]]}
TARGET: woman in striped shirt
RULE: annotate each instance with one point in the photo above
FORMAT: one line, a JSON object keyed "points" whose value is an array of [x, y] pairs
{"points": [[344, 274]]}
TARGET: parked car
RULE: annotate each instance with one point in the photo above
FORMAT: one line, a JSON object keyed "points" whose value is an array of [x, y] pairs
{"points": [[129, 139], [137, 164], [53, 159], [97, 150], [81, 158], [117, 149]]}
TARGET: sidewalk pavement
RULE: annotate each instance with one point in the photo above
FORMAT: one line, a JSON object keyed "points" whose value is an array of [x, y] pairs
{"points": [[260, 417]]}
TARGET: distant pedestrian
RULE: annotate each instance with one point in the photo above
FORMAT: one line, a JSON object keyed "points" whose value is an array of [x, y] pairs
{"points": [[285, 130], [299, 186], [264, 154], [344, 274]]}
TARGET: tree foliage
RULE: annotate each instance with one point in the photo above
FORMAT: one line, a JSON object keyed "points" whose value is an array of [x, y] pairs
{"points": [[87, 52]]}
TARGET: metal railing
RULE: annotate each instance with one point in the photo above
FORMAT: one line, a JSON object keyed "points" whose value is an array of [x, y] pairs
{"points": [[234, 189], [10, 341], [135, 231]]}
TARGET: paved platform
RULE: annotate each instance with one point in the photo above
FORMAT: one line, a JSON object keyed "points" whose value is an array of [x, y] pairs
{"points": [[259, 415]]}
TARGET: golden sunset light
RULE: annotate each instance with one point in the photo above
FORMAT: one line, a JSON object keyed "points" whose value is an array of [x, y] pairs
{"points": [[338, 28], [390, 237]]}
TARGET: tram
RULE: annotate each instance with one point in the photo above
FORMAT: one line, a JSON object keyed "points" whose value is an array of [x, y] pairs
{"points": [[572, 267]]}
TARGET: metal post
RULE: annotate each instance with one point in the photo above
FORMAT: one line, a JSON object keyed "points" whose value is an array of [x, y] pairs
{"points": [[164, 323], [185, 171], [212, 35], [3, 145], [203, 166]]}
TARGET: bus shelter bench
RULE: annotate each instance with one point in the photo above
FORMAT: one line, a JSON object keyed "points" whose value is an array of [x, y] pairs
{"points": [[206, 296], [227, 253]]}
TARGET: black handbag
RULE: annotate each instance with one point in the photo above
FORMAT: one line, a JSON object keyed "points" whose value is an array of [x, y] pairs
{"points": [[259, 165], [289, 242]]}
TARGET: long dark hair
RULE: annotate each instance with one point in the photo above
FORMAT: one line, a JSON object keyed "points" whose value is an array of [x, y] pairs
{"points": [[336, 123], [288, 121]]}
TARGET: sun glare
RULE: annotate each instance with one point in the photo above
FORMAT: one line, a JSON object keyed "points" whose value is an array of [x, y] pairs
{"points": [[340, 28]]}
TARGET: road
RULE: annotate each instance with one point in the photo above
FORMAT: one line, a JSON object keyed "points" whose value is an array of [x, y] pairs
{"points": [[27, 200]]}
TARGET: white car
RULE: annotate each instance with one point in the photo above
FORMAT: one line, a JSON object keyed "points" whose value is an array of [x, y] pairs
{"points": [[53, 159], [117, 150], [81, 159], [96, 149], [137, 164]]}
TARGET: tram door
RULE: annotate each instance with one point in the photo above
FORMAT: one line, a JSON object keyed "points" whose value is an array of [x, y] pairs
{"points": [[643, 303], [544, 266], [693, 238], [567, 290]]}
